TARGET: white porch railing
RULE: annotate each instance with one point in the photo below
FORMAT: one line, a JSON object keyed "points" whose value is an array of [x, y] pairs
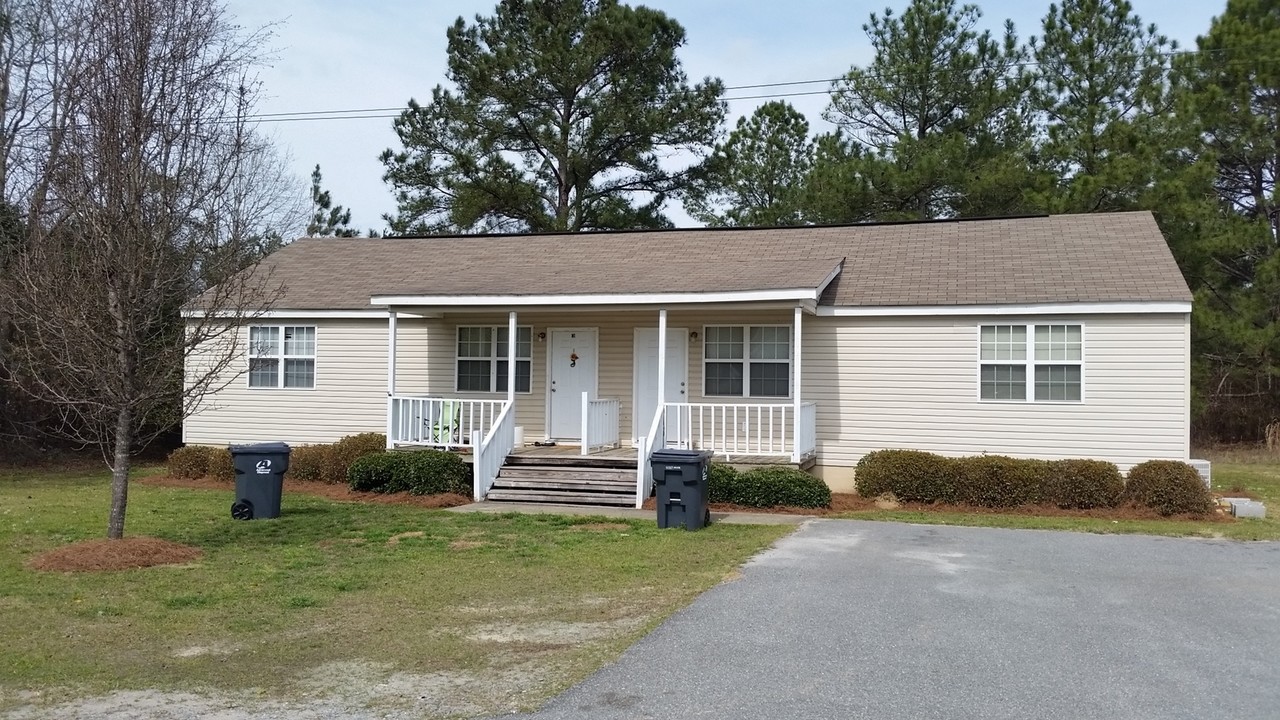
{"points": [[491, 450], [731, 429], [599, 423], [646, 446], [807, 441], [439, 422]]}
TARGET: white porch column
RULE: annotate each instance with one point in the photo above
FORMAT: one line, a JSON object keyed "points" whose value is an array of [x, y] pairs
{"points": [[391, 376], [795, 386], [662, 360], [511, 357]]}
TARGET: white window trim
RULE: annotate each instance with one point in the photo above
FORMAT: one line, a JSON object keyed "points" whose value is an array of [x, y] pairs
{"points": [[494, 359], [746, 361], [280, 357], [1030, 363]]}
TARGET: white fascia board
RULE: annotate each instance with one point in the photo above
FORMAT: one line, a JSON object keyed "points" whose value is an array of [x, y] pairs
{"points": [[293, 314], [797, 294], [1080, 308]]}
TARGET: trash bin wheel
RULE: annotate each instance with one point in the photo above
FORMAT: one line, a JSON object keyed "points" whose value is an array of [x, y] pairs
{"points": [[242, 510], [706, 520]]}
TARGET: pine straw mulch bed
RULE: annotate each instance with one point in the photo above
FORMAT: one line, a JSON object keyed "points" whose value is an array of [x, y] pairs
{"points": [[104, 555], [329, 491], [851, 502]]}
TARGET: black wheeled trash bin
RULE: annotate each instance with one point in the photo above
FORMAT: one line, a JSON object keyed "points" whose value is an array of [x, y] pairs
{"points": [[680, 477], [259, 479]]}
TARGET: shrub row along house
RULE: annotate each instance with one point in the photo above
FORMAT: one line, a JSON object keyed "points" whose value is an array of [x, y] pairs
{"points": [[1044, 337]]}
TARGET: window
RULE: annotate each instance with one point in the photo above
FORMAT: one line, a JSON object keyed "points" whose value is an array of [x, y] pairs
{"points": [[482, 359], [750, 361], [1041, 361], [282, 356]]}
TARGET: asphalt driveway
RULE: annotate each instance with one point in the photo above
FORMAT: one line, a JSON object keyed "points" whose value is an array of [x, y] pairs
{"points": [[858, 619]]}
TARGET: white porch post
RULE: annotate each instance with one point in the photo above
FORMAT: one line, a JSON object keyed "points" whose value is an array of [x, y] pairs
{"points": [[391, 377], [795, 387], [662, 362], [511, 357]]}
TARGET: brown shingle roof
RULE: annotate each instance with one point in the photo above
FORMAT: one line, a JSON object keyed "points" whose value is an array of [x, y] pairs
{"points": [[1114, 257]]}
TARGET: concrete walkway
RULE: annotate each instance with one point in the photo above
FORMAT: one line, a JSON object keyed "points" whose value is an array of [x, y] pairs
{"points": [[847, 619], [729, 518]]}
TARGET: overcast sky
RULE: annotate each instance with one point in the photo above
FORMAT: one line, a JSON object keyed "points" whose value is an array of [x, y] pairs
{"points": [[340, 55]]}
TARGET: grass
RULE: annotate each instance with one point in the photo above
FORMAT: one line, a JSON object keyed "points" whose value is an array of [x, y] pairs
{"points": [[508, 608], [1251, 469]]}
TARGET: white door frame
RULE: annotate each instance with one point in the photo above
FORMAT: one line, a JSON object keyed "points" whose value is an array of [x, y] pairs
{"points": [[635, 370], [595, 380]]}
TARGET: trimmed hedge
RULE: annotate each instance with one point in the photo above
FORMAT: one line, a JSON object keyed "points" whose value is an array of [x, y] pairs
{"points": [[430, 472], [422, 472], [911, 475], [190, 462], [720, 482], [988, 480], [1169, 487], [1084, 484], [347, 450], [767, 487], [998, 481], [309, 462], [221, 467], [376, 473]]}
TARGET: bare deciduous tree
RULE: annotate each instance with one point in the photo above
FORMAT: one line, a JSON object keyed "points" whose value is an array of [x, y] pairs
{"points": [[154, 192]]}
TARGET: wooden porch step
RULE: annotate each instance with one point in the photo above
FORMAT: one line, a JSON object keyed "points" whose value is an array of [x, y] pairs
{"points": [[572, 485], [560, 497], [564, 484], [586, 475], [575, 461]]}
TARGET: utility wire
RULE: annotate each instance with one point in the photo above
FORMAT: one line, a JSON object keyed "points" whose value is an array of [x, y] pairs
{"points": [[385, 113]]}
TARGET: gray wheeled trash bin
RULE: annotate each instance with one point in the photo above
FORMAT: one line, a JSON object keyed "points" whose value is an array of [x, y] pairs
{"points": [[680, 478], [259, 479]]}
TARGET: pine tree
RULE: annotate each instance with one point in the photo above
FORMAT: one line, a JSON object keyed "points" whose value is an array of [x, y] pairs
{"points": [[561, 115], [1232, 91], [938, 111], [757, 175], [1101, 93], [327, 219]]}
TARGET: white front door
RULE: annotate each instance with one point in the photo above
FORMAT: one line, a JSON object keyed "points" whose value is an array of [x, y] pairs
{"points": [[645, 372], [571, 371]]}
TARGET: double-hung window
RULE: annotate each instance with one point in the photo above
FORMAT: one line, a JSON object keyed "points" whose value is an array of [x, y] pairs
{"points": [[482, 359], [282, 356], [747, 361], [1043, 362]]}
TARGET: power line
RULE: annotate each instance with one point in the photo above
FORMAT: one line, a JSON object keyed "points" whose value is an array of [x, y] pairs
{"points": [[385, 113]]}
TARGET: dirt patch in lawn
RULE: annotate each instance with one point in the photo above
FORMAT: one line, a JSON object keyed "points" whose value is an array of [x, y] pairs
{"points": [[104, 555], [329, 491], [601, 527]]}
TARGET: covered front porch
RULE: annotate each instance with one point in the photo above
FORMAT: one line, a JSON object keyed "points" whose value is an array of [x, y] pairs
{"points": [[601, 386]]}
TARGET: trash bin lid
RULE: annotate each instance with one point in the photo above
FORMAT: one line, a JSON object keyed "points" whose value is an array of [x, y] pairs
{"points": [[680, 456], [260, 448]]}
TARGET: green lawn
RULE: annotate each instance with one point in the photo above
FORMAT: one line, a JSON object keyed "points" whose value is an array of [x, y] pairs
{"points": [[500, 611], [1254, 470]]}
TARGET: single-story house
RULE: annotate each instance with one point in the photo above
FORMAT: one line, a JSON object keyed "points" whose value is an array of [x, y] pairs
{"points": [[1046, 337]]}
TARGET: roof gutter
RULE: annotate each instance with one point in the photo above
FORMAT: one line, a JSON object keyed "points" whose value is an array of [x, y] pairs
{"points": [[685, 298], [1069, 308]]}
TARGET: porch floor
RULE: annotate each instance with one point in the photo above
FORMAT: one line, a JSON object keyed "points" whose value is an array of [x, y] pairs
{"points": [[629, 453]]}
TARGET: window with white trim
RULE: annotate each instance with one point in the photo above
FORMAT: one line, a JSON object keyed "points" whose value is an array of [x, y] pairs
{"points": [[482, 359], [1044, 362], [282, 356], [747, 361]]}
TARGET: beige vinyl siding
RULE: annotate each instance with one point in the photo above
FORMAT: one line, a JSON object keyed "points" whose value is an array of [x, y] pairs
{"points": [[616, 338], [349, 394], [913, 383]]}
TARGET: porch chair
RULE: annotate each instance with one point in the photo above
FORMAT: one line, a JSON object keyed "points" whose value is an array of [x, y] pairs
{"points": [[446, 427]]}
